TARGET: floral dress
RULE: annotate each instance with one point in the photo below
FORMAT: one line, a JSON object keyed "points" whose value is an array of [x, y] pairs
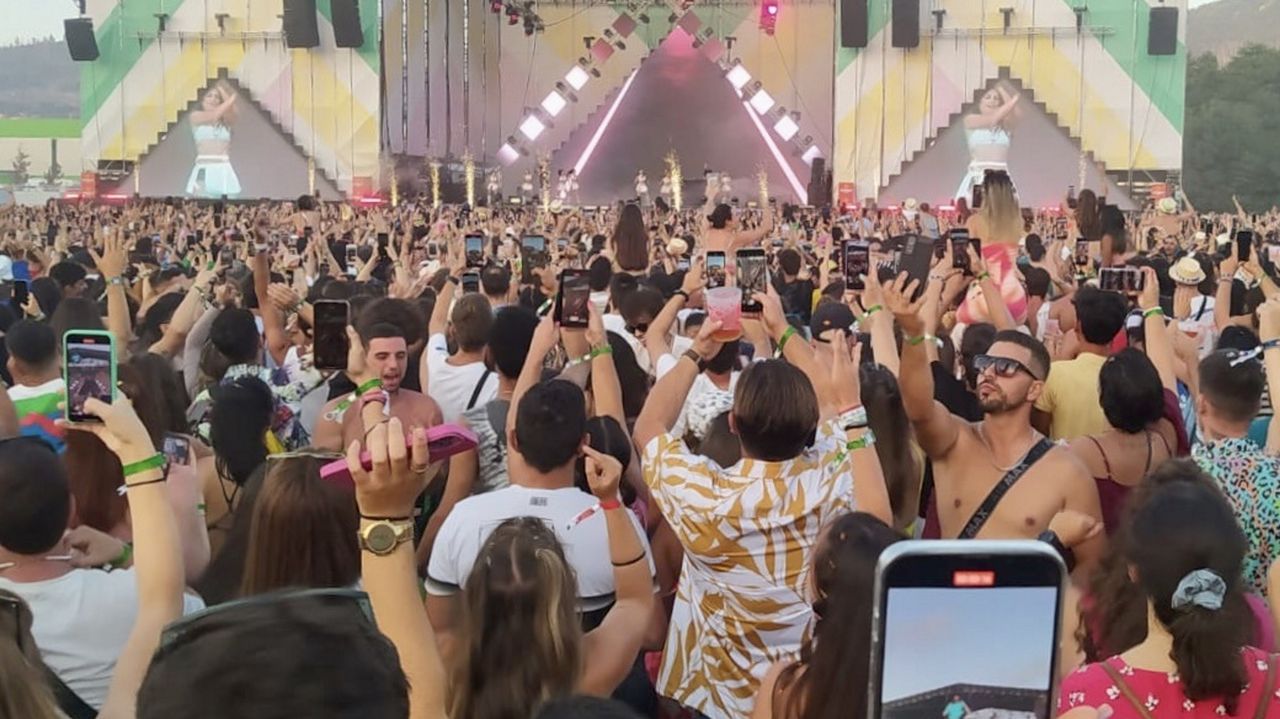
{"points": [[1160, 694]]}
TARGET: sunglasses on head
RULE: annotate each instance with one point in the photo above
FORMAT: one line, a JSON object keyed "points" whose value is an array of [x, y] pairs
{"points": [[1002, 366]]}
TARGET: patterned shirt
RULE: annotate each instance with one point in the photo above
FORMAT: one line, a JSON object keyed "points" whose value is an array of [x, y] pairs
{"points": [[1161, 693], [748, 534], [289, 385], [1251, 480]]}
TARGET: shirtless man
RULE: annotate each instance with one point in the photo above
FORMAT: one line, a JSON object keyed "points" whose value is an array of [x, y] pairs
{"points": [[970, 459], [378, 351]]}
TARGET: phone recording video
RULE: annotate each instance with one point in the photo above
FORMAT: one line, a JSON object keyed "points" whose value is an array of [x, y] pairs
{"points": [[960, 251], [1125, 280], [331, 343], [352, 256], [533, 252], [21, 291], [976, 201], [715, 270], [574, 299], [89, 367], [916, 259], [470, 283], [966, 628], [474, 246], [1244, 245], [753, 277], [1082, 252], [857, 263], [177, 448]]}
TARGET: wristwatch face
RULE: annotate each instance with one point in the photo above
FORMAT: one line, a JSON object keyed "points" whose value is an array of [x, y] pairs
{"points": [[380, 538]]}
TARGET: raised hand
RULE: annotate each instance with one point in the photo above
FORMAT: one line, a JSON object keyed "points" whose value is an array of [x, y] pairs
{"points": [[897, 299], [604, 472], [399, 474]]}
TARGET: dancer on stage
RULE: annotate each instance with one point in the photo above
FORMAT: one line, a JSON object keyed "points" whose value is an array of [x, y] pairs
{"points": [[989, 132], [562, 187], [526, 188], [726, 188], [664, 190], [212, 175], [494, 187], [642, 188], [571, 182]]}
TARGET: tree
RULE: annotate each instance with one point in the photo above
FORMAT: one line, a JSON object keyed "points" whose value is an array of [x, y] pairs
{"points": [[54, 174], [1232, 120], [21, 167]]}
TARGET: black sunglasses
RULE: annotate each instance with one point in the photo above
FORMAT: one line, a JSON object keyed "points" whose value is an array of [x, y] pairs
{"points": [[1003, 366]]}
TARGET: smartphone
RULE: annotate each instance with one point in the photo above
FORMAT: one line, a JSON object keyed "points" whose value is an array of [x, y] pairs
{"points": [[474, 245], [352, 256], [533, 252], [940, 605], [573, 300], [753, 277], [1082, 252], [383, 240], [470, 283], [20, 293], [1071, 197], [299, 244], [682, 264], [1125, 280], [227, 256], [177, 448], [1244, 244], [88, 369], [976, 201], [443, 441], [960, 251], [857, 263], [916, 259], [715, 270], [330, 333]]}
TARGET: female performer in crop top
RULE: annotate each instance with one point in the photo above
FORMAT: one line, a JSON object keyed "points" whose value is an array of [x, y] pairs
{"points": [[213, 175], [987, 131]]}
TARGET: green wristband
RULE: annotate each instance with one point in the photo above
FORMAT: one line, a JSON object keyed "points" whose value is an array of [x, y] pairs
{"points": [[914, 341], [984, 276], [1153, 311], [155, 461], [872, 310], [782, 341], [371, 384], [126, 556]]}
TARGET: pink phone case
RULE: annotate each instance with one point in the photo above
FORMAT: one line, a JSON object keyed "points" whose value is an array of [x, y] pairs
{"points": [[443, 441]]}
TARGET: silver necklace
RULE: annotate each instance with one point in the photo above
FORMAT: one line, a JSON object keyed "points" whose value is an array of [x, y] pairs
{"points": [[991, 454]]}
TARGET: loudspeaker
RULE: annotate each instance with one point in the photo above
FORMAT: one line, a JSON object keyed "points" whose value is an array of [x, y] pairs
{"points": [[300, 29], [1162, 37], [819, 193], [906, 23], [80, 40], [853, 23], [347, 31]]}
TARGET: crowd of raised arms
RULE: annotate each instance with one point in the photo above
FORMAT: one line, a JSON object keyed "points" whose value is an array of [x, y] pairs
{"points": [[662, 515]]}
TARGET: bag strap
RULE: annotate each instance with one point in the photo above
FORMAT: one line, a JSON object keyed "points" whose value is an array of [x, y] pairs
{"points": [[1125, 690], [69, 702], [988, 506], [1264, 701], [475, 393], [497, 415]]}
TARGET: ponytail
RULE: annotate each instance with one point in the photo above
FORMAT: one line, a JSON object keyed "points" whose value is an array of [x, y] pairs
{"points": [[1206, 648]]}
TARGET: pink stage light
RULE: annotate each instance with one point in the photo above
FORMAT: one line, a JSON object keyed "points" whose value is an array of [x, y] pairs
{"points": [[778, 157], [604, 125]]}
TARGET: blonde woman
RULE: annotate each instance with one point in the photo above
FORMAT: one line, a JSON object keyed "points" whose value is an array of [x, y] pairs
{"points": [[213, 175], [999, 225]]}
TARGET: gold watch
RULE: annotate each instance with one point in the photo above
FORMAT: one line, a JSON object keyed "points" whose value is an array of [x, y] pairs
{"points": [[383, 536]]}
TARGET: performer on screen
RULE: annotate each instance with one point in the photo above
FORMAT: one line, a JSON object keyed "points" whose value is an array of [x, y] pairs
{"points": [[213, 175], [494, 186], [571, 181], [989, 133], [642, 188]]}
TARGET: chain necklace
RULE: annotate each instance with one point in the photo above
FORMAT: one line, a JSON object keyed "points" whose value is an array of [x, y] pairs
{"points": [[991, 454]]}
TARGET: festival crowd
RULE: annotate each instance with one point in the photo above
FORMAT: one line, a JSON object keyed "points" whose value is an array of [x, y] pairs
{"points": [[660, 509]]}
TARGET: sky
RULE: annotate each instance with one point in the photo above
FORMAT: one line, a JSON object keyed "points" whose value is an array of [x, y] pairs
{"points": [[996, 637], [27, 19]]}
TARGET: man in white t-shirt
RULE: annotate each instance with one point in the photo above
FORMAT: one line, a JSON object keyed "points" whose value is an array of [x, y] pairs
{"points": [[81, 617], [461, 380], [543, 448]]}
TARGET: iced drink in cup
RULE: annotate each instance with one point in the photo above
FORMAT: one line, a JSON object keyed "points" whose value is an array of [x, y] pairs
{"points": [[725, 304]]}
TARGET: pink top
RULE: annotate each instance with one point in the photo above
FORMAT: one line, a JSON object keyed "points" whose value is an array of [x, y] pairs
{"points": [[1000, 263], [1161, 693]]}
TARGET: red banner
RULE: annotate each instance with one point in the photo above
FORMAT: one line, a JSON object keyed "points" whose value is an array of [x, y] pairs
{"points": [[88, 185], [1159, 190], [847, 194]]}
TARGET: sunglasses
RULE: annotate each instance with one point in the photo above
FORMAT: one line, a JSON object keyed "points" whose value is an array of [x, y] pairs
{"points": [[1002, 366]]}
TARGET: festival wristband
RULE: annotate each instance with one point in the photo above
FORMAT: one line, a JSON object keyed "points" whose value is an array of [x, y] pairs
{"points": [[155, 461], [341, 408], [600, 351], [371, 384], [868, 439], [610, 504], [1152, 312], [984, 276], [125, 557], [782, 341], [921, 339], [871, 311]]}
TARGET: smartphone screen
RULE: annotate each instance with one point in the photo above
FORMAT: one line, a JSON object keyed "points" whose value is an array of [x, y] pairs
{"points": [[474, 245], [351, 258], [574, 299], [89, 367], [976, 202], [20, 293], [715, 270], [960, 251], [177, 448], [1244, 244], [857, 263], [470, 283], [941, 604], [753, 277], [533, 250], [331, 343], [917, 257], [1082, 252], [1125, 280]]}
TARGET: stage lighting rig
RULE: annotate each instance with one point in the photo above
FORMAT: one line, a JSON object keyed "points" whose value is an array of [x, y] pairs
{"points": [[769, 16]]}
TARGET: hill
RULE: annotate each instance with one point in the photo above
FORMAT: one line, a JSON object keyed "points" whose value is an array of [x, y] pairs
{"points": [[39, 79], [1225, 26]]}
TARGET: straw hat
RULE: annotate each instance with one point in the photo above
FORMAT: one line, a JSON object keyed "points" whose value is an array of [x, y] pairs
{"points": [[1167, 205], [556, 206], [1187, 271], [677, 246]]}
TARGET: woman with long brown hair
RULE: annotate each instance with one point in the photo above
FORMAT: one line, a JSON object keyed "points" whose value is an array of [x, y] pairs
{"points": [[630, 241], [522, 644]]}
